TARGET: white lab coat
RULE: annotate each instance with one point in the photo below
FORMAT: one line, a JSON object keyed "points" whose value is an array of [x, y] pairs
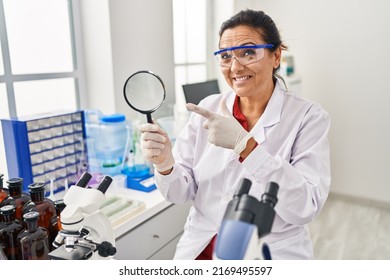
{"points": [[293, 151]]}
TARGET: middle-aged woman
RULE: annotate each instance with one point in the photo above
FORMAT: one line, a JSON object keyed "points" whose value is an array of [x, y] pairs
{"points": [[258, 131]]}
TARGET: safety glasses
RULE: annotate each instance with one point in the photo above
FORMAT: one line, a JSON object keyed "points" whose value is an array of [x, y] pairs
{"points": [[244, 54]]}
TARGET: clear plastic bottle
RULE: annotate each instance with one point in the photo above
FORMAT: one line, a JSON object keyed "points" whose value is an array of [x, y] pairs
{"points": [[9, 230], [34, 241], [111, 136], [17, 197], [136, 166]]}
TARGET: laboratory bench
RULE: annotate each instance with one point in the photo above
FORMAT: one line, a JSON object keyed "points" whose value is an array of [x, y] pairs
{"points": [[149, 231]]}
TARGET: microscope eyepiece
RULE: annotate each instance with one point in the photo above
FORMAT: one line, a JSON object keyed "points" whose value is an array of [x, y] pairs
{"points": [[270, 194], [84, 180], [104, 184], [244, 187]]}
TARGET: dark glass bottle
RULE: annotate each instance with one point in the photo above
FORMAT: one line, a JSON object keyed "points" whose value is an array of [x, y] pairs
{"points": [[17, 197], [55, 223], [9, 230], [2, 254], [4, 193], [44, 206], [2, 225], [34, 241]]}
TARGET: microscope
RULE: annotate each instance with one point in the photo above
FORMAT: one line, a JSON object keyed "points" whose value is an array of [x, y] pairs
{"points": [[86, 232], [246, 221]]}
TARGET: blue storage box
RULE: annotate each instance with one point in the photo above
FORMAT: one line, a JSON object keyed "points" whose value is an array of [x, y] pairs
{"points": [[44, 147], [145, 183]]}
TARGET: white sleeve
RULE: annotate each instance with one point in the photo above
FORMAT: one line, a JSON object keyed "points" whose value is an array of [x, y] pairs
{"points": [[179, 186]]}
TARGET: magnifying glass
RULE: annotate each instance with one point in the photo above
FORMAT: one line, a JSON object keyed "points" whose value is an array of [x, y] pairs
{"points": [[144, 91]]}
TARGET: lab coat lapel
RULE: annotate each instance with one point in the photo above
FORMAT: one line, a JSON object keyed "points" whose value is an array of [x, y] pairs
{"points": [[271, 115], [229, 103]]}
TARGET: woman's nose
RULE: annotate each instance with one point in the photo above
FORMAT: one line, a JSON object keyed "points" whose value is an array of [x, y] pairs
{"points": [[236, 65]]}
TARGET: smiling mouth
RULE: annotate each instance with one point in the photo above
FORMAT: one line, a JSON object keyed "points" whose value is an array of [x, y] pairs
{"points": [[241, 79]]}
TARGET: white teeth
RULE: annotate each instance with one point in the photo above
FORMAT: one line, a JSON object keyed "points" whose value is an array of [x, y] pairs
{"points": [[242, 78]]}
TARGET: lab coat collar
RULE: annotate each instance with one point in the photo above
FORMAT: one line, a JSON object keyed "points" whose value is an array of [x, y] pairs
{"points": [[271, 115]]}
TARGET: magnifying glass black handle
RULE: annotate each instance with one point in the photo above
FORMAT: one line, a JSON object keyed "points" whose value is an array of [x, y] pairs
{"points": [[149, 117]]}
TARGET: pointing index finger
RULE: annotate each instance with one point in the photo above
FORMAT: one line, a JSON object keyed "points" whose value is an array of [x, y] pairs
{"points": [[199, 110]]}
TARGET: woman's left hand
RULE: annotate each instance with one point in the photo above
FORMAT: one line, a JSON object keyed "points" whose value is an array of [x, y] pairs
{"points": [[223, 130]]}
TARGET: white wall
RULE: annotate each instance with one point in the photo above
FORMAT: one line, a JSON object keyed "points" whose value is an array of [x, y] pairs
{"points": [[142, 39], [120, 38], [97, 54], [341, 49]]}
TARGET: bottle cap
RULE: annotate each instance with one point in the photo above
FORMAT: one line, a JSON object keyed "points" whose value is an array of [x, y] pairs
{"points": [[7, 209], [37, 187], [15, 182], [31, 216], [59, 204]]}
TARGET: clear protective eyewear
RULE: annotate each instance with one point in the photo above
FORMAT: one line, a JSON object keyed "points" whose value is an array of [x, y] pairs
{"points": [[244, 54]]}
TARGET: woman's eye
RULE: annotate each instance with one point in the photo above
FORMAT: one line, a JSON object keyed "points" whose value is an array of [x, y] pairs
{"points": [[248, 52], [225, 56]]}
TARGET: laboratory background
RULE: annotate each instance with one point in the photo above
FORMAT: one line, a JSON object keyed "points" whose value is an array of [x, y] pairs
{"points": [[64, 64]]}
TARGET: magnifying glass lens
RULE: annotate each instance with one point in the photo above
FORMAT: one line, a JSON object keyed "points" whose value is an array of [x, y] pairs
{"points": [[144, 91]]}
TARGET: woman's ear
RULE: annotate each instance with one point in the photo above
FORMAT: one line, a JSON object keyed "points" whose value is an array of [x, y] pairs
{"points": [[277, 57]]}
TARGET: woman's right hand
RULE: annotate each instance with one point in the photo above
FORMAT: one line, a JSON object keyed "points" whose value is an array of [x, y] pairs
{"points": [[156, 147]]}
